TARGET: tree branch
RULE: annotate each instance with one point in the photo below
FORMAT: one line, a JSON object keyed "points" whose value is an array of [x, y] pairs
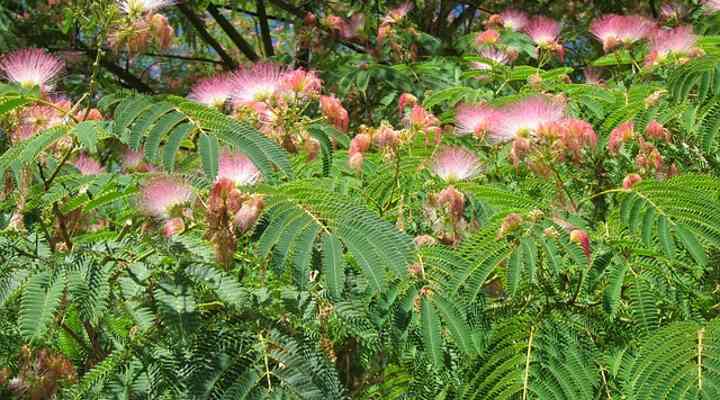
{"points": [[199, 26], [233, 34], [264, 28], [254, 14]]}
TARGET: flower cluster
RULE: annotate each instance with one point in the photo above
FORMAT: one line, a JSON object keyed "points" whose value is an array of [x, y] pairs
{"points": [[142, 26], [615, 30], [167, 198]]}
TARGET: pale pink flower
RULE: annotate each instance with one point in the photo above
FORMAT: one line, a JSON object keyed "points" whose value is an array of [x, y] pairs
{"points": [[420, 118], [173, 226], [213, 91], [302, 82], [487, 37], [514, 19], [132, 159], [665, 42], [35, 119], [355, 161], [711, 6], [386, 136], [138, 7], [614, 30], [631, 180], [496, 55], [542, 30], [453, 164], [161, 195], [623, 133], [474, 118], [656, 130], [31, 68], [360, 143], [88, 165], [335, 112], [248, 214], [398, 13], [525, 117], [258, 82], [238, 168]]}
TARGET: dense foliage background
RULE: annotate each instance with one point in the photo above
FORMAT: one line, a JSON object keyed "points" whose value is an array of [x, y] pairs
{"points": [[359, 199]]}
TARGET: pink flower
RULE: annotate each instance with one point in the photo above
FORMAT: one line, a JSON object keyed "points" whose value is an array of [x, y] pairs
{"points": [[525, 117], [173, 226], [666, 42], [613, 30], [302, 82], [657, 131], [161, 195], [238, 168], [354, 27], [87, 165], [474, 118], [406, 100], [386, 136], [487, 37], [138, 7], [623, 133], [360, 143], [355, 161], [248, 214], [258, 82], [453, 164], [493, 54], [514, 20], [420, 118], [581, 237], [31, 68], [335, 112], [711, 6], [631, 180], [34, 119], [213, 91], [543, 31]]}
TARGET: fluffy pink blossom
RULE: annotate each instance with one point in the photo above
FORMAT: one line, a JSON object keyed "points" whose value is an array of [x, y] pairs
{"points": [[302, 82], [666, 42], [487, 37], [355, 161], [493, 54], [173, 226], [514, 19], [614, 30], [34, 119], [238, 168], [161, 195], [542, 30], [474, 118], [453, 164], [88, 165], [623, 133], [711, 6], [213, 91], [420, 118], [360, 143], [335, 112], [138, 7], [581, 237], [525, 117], [656, 130], [31, 68], [258, 82]]}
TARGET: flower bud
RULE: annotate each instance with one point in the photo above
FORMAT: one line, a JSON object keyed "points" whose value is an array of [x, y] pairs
{"points": [[581, 237], [356, 161], [656, 130], [173, 226], [631, 180]]}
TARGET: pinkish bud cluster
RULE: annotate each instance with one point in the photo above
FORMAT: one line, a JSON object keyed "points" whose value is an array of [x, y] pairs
{"points": [[623, 133], [445, 211], [510, 223], [630, 180], [581, 237], [229, 212], [487, 37], [335, 112]]}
